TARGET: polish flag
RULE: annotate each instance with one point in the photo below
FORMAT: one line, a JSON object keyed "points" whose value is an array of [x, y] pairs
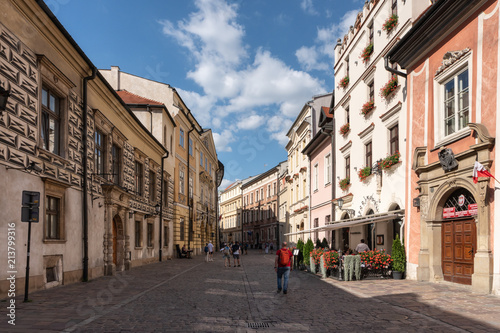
{"points": [[480, 171]]}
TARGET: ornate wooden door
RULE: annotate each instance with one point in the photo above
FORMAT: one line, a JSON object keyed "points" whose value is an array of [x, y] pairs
{"points": [[458, 249]]}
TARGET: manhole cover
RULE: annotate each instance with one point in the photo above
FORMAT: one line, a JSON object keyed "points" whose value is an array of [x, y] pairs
{"points": [[258, 325], [392, 316]]}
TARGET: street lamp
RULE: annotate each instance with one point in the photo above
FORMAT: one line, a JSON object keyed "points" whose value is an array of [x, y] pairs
{"points": [[351, 212], [4, 95]]}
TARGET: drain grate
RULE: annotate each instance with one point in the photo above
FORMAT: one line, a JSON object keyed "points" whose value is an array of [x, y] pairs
{"points": [[258, 325]]}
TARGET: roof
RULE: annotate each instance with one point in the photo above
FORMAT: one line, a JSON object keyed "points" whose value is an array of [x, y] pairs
{"points": [[326, 110], [131, 98]]}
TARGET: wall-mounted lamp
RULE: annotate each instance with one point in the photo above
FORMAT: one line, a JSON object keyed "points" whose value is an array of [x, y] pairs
{"points": [[4, 95], [356, 62], [355, 168], [350, 212], [33, 166], [379, 32], [338, 177]]}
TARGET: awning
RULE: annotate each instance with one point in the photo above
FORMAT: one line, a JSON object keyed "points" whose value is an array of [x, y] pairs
{"points": [[382, 217], [303, 231]]}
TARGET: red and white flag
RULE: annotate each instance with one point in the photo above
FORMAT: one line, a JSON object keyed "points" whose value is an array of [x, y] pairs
{"points": [[480, 171]]}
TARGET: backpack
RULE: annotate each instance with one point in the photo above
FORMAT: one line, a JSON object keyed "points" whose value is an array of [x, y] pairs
{"points": [[284, 257], [206, 249], [226, 251]]}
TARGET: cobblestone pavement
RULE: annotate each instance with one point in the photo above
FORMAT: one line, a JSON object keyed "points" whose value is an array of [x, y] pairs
{"points": [[196, 296]]}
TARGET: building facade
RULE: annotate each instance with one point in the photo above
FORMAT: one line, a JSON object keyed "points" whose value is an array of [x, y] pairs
{"points": [[195, 162], [67, 137], [452, 85], [230, 213], [370, 127]]}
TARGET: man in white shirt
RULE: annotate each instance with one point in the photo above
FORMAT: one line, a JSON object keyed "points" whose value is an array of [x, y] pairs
{"points": [[362, 247], [210, 251]]}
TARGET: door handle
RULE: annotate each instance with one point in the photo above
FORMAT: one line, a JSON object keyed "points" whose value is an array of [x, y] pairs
{"points": [[471, 251]]}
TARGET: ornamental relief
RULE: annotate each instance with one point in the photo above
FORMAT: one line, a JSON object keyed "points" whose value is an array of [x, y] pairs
{"points": [[450, 58]]}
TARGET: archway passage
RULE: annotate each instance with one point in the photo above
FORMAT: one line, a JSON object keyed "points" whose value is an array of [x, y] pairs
{"points": [[459, 245]]}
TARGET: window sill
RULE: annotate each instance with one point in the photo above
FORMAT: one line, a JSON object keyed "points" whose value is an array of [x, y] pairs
{"points": [[463, 133], [54, 241], [138, 248]]}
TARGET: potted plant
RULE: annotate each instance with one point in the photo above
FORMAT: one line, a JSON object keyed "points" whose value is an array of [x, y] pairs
{"points": [[398, 259], [308, 247], [363, 173], [390, 160], [367, 52], [389, 87], [367, 107], [344, 183], [345, 129], [390, 23], [344, 82]]}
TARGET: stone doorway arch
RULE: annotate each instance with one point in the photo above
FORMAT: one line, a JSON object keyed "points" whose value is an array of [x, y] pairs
{"points": [[118, 243]]}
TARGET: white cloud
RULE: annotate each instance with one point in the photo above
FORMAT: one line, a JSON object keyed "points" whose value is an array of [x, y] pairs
{"points": [[320, 56], [225, 183], [308, 7], [251, 122], [223, 139]]}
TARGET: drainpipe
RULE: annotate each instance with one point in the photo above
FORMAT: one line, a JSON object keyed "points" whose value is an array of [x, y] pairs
{"points": [[190, 227], [85, 176], [278, 208], [392, 70], [161, 202]]}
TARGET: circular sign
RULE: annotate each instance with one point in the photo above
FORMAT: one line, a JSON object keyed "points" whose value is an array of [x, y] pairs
{"points": [[461, 200]]}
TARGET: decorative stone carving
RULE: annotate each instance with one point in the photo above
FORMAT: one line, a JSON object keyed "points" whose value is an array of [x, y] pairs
{"points": [[447, 159], [450, 58]]}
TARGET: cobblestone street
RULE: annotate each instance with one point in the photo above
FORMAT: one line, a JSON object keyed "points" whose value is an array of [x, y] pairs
{"points": [[196, 296]]}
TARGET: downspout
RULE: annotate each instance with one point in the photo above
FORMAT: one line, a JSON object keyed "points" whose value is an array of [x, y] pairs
{"points": [[85, 178], [392, 70], [161, 202], [278, 209], [190, 227]]}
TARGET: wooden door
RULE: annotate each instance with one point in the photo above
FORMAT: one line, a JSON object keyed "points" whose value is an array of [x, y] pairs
{"points": [[458, 249]]}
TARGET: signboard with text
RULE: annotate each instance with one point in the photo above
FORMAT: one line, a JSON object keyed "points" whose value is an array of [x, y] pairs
{"points": [[451, 212]]}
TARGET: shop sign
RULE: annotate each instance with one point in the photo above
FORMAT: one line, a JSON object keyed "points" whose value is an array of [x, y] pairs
{"points": [[451, 212]]}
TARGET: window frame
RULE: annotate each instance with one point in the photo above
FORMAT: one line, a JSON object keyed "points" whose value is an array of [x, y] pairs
{"points": [[181, 137], [46, 115], [99, 152], [328, 169], [347, 166], [138, 234], [394, 139], [315, 177], [152, 186], [139, 178], [150, 235], [116, 163], [368, 154], [394, 7]]}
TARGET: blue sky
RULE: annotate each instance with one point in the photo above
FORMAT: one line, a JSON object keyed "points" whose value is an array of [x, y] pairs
{"points": [[245, 68]]}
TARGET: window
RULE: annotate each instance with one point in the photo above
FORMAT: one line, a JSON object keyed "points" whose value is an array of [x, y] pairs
{"points": [[150, 235], [274, 188], [138, 234], [347, 115], [205, 163], [165, 236], [257, 195], [394, 7], [152, 186], [181, 181], [261, 194], [52, 218], [51, 121], [304, 188], [456, 103], [181, 138], [115, 164], [370, 33], [191, 187], [394, 139], [316, 224], [165, 193], [139, 179], [181, 227], [328, 169], [315, 177], [190, 147], [165, 136], [348, 167], [347, 66], [371, 91], [201, 158], [99, 152], [268, 190], [251, 198], [368, 154]]}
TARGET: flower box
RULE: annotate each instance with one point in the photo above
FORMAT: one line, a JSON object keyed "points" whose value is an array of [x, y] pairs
{"points": [[389, 161], [364, 173], [390, 23], [367, 52], [345, 183], [389, 87], [344, 82], [367, 107], [345, 129]]}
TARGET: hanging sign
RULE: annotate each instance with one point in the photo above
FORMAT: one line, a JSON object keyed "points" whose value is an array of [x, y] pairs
{"points": [[451, 212], [461, 200]]}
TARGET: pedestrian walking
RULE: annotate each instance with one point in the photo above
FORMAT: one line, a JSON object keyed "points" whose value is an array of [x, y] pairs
{"points": [[282, 266], [246, 248], [210, 251], [206, 252], [226, 254], [236, 253], [267, 247]]}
